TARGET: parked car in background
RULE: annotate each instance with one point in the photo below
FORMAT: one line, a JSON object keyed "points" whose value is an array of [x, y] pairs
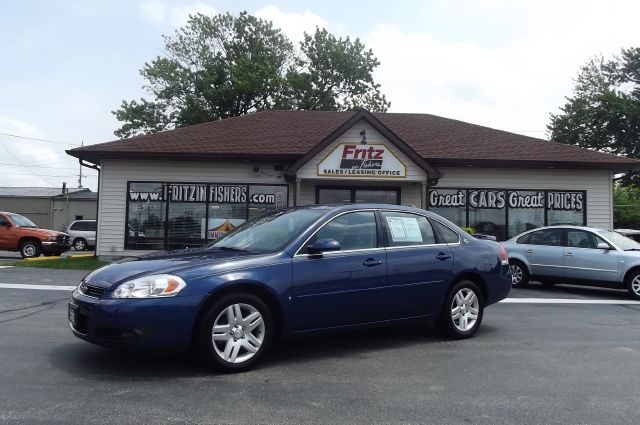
{"points": [[83, 234], [18, 233], [630, 233], [575, 254], [296, 271]]}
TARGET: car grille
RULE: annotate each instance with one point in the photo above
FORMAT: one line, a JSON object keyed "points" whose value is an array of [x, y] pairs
{"points": [[91, 290], [82, 323], [63, 239]]}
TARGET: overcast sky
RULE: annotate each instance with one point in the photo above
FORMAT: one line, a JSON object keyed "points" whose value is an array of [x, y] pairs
{"points": [[65, 65]]}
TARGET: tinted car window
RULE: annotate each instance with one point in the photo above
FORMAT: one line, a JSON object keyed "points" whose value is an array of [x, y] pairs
{"points": [[91, 226], [76, 226], [3, 221], [355, 230], [447, 234], [405, 229], [524, 238], [550, 237], [581, 239]]}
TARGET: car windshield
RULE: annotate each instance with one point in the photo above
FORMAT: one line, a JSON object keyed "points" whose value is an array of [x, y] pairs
{"points": [[269, 233], [622, 242], [21, 221]]}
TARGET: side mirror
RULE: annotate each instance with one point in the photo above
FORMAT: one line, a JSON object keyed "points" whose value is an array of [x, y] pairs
{"points": [[324, 245], [603, 245]]}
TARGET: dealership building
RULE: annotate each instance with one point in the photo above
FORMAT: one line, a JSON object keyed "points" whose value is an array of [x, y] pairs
{"points": [[185, 187]]}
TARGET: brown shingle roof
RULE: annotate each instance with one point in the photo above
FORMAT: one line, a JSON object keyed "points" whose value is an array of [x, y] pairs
{"points": [[291, 134]]}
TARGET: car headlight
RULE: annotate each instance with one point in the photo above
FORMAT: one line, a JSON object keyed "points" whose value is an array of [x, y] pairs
{"points": [[155, 286], [52, 238]]}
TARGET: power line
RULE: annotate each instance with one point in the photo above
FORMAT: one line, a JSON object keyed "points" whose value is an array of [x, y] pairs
{"points": [[39, 166], [28, 168], [39, 140], [39, 175]]}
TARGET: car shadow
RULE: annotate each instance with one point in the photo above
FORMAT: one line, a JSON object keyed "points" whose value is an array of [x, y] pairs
{"points": [[93, 362]]}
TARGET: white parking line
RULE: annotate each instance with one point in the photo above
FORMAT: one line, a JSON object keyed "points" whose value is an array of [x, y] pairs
{"points": [[5, 267], [566, 301], [40, 287]]}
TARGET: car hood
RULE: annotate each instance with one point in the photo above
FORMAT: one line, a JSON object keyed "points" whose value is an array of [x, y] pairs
{"points": [[39, 233], [176, 262]]}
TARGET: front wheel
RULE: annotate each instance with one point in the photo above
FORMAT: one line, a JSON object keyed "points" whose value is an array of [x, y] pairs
{"points": [[30, 249], [235, 332], [462, 313], [633, 285]]}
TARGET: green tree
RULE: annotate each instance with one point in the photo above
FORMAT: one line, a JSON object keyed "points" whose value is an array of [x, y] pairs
{"points": [[604, 111], [226, 65], [335, 74], [626, 206]]}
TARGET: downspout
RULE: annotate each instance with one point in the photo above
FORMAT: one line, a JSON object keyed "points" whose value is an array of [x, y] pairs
{"points": [[97, 168]]}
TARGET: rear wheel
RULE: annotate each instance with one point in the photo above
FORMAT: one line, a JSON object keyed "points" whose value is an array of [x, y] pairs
{"points": [[235, 332], [30, 248], [462, 313], [519, 273], [633, 285]]}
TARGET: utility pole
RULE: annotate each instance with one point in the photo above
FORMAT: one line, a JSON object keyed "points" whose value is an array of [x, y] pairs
{"points": [[80, 170]]}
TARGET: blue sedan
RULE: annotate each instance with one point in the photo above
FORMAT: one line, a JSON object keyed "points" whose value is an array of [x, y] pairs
{"points": [[296, 271], [575, 254]]}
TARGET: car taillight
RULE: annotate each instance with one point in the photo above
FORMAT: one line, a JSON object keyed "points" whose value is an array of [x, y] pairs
{"points": [[503, 256]]}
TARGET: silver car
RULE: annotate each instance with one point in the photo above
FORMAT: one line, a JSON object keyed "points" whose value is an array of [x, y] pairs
{"points": [[83, 234], [575, 254]]}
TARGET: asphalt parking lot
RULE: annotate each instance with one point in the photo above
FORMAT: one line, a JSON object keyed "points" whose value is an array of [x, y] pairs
{"points": [[530, 363]]}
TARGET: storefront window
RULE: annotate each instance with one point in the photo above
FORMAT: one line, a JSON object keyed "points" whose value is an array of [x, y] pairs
{"points": [[146, 216], [263, 199], [329, 195], [171, 216], [526, 211], [565, 208], [487, 212], [506, 213], [450, 204]]}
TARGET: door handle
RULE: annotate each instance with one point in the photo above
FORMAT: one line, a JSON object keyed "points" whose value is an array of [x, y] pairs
{"points": [[529, 251], [370, 262], [569, 254], [442, 256]]}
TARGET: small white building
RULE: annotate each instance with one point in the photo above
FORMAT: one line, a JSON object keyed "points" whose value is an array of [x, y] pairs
{"points": [[187, 186]]}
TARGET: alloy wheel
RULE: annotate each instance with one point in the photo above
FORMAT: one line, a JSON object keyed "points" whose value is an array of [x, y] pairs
{"points": [[635, 285], [465, 308], [516, 274], [29, 250], [238, 333]]}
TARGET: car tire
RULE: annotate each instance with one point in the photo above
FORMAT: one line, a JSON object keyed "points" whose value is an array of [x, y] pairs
{"points": [[80, 244], [519, 274], [30, 248], [633, 284], [462, 312], [243, 332]]}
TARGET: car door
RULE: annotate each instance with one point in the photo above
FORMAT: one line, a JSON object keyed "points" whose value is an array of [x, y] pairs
{"points": [[419, 266], [5, 233], [343, 287], [583, 260], [545, 252]]}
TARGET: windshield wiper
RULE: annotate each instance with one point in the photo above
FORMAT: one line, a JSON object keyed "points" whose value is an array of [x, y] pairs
{"points": [[230, 248]]}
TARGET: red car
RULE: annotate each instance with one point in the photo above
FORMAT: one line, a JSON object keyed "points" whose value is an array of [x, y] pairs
{"points": [[18, 233]]}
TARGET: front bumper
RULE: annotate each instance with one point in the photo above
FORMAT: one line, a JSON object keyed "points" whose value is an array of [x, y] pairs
{"points": [[54, 247], [165, 323]]}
